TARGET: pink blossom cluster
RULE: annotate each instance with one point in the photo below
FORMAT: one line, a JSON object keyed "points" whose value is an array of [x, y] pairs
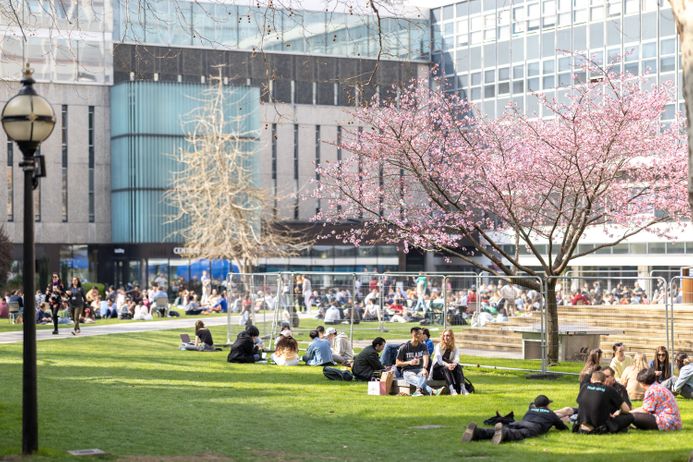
{"points": [[428, 170]]}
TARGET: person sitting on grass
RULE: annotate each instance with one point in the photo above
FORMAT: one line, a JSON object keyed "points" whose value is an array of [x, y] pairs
{"points": [[333, 315], [610, 381], [203, 339], [684, 382], [447, 364], [342, 352], [601, 408], [427, 340], [537, 421], [286, 349], [319, 352], [245, 349], [367, 363], [620, 360], [662, 366], [413, 360], [592, 364], [629, 379], [659, 410], [193, 307]]}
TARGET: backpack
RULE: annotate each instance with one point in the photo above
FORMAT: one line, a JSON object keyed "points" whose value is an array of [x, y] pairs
{"points": [[468, 385], [332, 373], [506, 419]]}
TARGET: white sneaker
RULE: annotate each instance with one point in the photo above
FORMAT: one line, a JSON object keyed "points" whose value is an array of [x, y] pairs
{"points": [[453, 392], [464, 390]]}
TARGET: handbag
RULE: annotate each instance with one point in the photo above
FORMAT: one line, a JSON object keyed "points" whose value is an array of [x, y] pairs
{"points": [[386, 378]]}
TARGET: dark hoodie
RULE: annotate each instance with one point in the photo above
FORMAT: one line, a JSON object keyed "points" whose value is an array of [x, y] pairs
{"points": [[243, 349]]}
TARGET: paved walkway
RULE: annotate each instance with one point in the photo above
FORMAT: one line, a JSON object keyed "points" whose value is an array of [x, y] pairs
{"points": [[89, 330], [187, 322]]}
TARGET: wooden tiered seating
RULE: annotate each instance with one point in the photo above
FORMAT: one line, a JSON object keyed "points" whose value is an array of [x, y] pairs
{"points": [[643, 326]]}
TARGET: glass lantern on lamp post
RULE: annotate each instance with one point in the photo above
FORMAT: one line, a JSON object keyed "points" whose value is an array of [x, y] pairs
{"points": [[28, 119]]}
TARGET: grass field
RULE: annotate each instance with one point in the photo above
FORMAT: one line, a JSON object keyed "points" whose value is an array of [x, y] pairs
{"points": [[138, 398]]}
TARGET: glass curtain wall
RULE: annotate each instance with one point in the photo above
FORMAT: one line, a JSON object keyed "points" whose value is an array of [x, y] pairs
{"points": [[496, 51], [218, 25]]}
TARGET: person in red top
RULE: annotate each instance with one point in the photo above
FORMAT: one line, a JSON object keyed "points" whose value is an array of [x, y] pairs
{"points": [[579, 298], [659, 410]]}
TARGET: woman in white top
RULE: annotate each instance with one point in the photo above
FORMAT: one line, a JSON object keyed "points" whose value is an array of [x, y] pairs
{"points": [[447, 364]]}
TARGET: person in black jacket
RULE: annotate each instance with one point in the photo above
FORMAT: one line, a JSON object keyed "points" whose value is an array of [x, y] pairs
{"points": [[538, 420], [54, 295], [77, 299], [244, 349], [368, 361]]}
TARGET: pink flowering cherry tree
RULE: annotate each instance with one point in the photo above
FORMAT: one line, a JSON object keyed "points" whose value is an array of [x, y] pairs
{"points": [[427, 171]]}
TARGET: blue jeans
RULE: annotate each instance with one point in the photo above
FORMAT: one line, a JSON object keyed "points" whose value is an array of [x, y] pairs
{"points": [[421, 302], [415, 377], [389, 354]]}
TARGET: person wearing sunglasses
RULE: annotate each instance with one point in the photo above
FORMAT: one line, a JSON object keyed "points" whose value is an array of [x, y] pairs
{"points": [[661, 365]]}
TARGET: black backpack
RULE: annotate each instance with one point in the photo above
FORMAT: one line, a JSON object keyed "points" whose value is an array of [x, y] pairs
{"points": [[468, 385], [332, 373]]}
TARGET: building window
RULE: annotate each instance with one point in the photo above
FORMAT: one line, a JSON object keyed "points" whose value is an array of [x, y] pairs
{"points": [[63, 132], [91, 164], [296, 171], [9, 172], [317, 161], [274, 168]]}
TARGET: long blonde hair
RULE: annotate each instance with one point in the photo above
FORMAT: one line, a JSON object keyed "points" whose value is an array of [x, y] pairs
{"points": [[639, 361], [446, 345]]}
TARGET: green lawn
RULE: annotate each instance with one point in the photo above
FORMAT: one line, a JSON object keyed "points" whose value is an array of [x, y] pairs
{"points": [[137, 397]]}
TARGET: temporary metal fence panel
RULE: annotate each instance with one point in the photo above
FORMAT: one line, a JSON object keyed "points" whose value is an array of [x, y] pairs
{"points": [[417, 297], [500, 316], [252, 297], [594, 312], [681, 315]]}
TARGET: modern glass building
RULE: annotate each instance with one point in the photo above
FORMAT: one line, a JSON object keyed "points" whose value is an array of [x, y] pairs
{"points": [[121, 75], [149, 125], [499, 51], [247, 27], [494, 52]]}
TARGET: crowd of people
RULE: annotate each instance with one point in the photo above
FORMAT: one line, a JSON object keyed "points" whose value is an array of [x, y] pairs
{"points": [[383, 298], [605, 399]]}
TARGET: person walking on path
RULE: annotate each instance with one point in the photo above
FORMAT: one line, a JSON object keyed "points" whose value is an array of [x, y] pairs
{"points": [[54, 295], [77, 298]]}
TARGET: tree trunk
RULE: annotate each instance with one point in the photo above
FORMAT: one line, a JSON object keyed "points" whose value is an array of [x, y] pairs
{"points": [[551, 321]]}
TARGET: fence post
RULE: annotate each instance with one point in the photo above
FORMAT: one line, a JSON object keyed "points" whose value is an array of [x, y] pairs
{"points": [[381, 302], [351, 311], [544, 322], [445, 302], [670, 312]]}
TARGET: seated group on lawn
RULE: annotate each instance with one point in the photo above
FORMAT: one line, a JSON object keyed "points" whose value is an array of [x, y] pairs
{"points": [[604, 399]]}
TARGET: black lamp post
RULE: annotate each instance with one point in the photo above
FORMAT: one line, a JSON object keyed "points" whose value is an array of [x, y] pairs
{"points": [[28, 119]]}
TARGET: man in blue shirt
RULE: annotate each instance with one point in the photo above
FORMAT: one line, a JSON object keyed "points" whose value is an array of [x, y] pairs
{"points": [[222, 303], [319, 352]]}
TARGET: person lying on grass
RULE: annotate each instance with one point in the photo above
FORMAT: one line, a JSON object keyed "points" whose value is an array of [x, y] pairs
{"points": [[537, 421]]}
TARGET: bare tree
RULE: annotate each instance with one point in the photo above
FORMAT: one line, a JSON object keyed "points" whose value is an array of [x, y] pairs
{"points": [[225, 212], [683, 15]]}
